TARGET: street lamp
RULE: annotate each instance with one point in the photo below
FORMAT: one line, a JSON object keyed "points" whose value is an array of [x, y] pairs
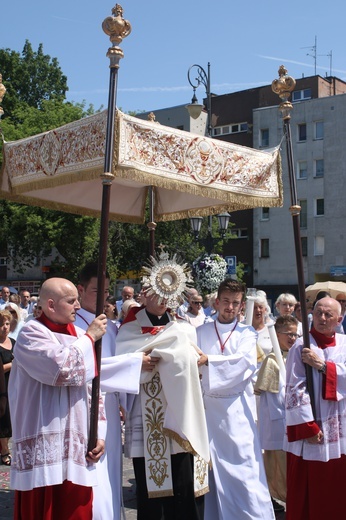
{"points": [[194, 108], [202, 78], [208, 242]]}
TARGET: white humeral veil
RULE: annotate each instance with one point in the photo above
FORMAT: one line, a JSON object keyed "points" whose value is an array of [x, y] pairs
{"points": [[171, 400]]}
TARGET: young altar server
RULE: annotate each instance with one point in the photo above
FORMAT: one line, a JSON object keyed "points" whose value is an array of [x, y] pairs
{"points": [[238, 487]]}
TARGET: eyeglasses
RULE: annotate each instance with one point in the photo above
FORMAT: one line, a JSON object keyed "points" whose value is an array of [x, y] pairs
{"points": [[197, 303], [290, 335], [341, 301]]}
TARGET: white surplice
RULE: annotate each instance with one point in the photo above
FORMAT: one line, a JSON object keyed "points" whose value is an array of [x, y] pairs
{"points": [[118, 374], [270, 387], [330, 415], [238, 486], [48, 395]]}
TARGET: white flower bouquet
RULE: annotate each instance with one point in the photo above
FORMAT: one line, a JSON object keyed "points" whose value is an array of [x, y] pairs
{"points": [[208, 272]]}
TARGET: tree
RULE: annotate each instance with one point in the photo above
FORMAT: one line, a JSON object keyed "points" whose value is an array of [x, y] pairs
{"points": [[30, 78], [129, 243], [34, 103]]}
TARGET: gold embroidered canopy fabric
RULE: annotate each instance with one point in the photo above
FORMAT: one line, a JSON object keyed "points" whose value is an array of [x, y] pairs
{"points": [[191, 175]]}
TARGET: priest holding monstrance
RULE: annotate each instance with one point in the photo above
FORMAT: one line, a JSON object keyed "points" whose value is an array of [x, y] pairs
{"points": [[166, 433]]}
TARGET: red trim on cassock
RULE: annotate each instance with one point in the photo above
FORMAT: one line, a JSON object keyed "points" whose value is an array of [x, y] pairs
{"points": [[152, 330], [322, 340], [329, 382], [131, 315], [60, 328], [302, 431], [63, 501], [315, 489]]}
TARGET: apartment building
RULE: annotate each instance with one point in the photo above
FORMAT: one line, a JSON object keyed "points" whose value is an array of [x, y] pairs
{"points": [[318, 132], [264, 237]]}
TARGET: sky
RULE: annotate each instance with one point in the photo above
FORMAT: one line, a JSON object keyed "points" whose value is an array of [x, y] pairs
{"points": [[244, 41]]}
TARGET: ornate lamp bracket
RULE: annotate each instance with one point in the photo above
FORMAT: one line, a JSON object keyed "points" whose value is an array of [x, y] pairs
{"points": [[295, 210]]}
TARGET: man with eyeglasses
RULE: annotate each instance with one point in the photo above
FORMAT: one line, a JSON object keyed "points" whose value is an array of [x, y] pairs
{"points": [[237, 481], [270, 385], [316, 446]]}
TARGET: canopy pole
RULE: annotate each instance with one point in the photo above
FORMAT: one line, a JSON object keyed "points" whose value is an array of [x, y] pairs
{"points": [[151, 224], [283, 87], [117, 28]]}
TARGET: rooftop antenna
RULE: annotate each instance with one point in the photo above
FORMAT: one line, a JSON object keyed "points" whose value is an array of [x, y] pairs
{"points": [[313, 49], [330, 55]]}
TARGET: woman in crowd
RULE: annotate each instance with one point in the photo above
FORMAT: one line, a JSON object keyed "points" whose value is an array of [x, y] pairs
{"points": [[17, 321], [285, 304], [110, 309], [195, 313], [261, 312], [6, 353]]}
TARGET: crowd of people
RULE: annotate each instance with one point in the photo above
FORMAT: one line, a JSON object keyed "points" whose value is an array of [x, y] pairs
{"points": [[220, 419]]}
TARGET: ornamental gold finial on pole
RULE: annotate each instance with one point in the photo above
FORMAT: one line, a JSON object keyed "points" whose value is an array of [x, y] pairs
{"points": [[283, 88], [117, 29]]}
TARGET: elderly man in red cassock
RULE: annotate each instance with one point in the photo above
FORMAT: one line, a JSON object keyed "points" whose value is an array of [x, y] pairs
{"points": [[316, 446]]}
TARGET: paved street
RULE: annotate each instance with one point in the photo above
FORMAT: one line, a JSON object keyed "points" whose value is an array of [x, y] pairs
{"points": [[6, 495]]}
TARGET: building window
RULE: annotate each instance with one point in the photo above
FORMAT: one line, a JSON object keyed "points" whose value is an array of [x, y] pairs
{"points": [[319, 168], [3, 260], [265, 214], [264, 141], [235, 128], [302, 172], [303, 213], [264, 248], [300, 95], [304, 242], [319, 130], [319, 207], [240, 233], [302, 132], [319, 246], [221, 130]]}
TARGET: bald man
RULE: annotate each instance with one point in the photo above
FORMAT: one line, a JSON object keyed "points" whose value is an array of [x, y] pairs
{"points": [[126, 294], [48, 393], [316, 446]]}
